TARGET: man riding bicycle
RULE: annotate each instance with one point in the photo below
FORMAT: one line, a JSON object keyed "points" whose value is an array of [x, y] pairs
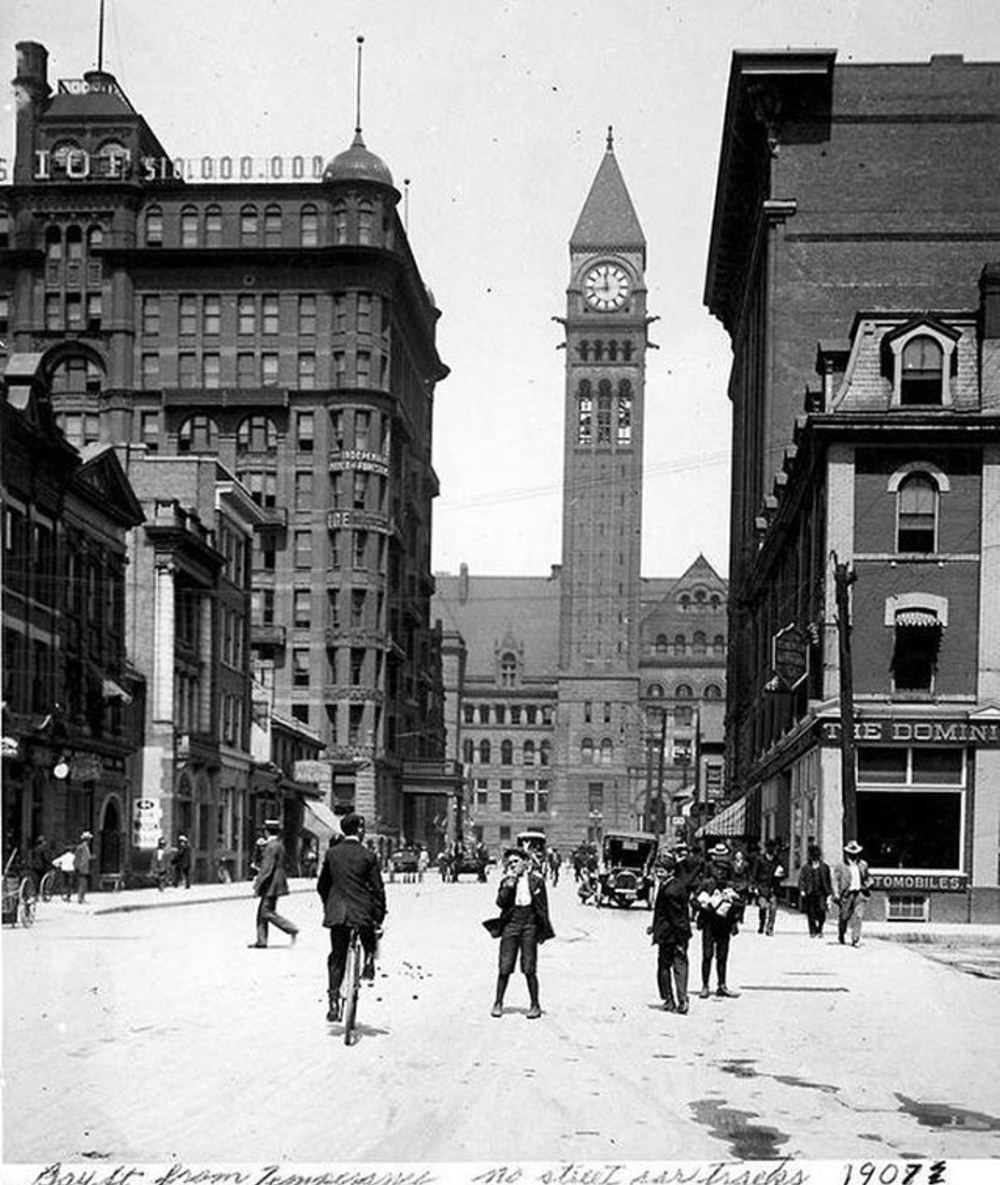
{"points": [[350, 886]]}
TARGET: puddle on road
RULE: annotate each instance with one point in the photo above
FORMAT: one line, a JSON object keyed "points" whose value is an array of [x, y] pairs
{"points": [[791, 1080], [788, 987], [740, 1067], [945, 1115], [747, 1141]]}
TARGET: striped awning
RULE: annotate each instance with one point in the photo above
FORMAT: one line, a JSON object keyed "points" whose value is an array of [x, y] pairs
{"points": [[925, 618], [731, 820]]}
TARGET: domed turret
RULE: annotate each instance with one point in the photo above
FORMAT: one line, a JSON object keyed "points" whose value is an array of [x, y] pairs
{"points": [[358, 164]]}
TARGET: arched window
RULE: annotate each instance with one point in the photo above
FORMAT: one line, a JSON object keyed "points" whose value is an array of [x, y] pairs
{"points": [[583, 349], [95, 238], [921, 380], [683, 691], [508, 669], [587, 751], [612, 351], [585, 414], [683, 717], [916, 513], [113, 159], [626, 351], [699, 596], [506, 752], [213, 226], [598, 351], [655, 691], [189, 227], [248, 226], [308, 227], [528, 753], [76, 376], [661, 644], [272, 226], [624, 413], [699, 646], [66, 159], [544, 752], [256, 434], [53, 244], [365, 222], [468, 751], [713, 691], [719, 644], [607, 751], [680, 644], [198, 434], [340, 222], [685, 602], [154, 227], [604, 412], [484, 752], [74, 244]]}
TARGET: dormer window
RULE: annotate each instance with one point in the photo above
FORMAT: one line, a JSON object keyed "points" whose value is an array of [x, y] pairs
{"points": [[921, 380]]}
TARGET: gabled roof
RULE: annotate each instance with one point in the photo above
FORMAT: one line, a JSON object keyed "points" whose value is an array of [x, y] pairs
{"points": [[608, 218], [101, 479]]}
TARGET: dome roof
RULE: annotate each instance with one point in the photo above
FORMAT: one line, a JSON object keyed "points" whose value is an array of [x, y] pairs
{"points": [[358, 164]]}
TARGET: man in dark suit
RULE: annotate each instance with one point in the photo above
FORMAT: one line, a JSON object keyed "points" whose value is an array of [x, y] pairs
{"points": [[270, 884], [350, 886], [671, 931], [523, 924]]}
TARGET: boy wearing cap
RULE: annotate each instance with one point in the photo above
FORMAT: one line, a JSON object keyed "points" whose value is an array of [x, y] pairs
{"points": [[271, 883], [671, 931], [851, 885], [719, 908], [523, 924]]}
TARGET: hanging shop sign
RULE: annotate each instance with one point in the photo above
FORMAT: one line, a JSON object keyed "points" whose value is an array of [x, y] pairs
{"points": [[790, 656], [888, 730]]}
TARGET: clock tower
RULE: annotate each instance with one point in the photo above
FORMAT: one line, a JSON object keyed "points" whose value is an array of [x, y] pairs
{"points": [[598, 728]]}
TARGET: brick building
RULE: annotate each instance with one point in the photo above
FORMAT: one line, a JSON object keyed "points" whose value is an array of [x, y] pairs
{"points": [[284, 328], [856, 208]]}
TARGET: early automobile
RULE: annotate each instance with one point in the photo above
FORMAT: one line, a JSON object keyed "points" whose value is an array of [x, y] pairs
{"points": [[537, 846], [626, 873]]}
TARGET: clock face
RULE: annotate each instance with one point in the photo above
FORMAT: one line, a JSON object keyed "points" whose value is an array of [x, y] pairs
{"points": [[605, 287]]}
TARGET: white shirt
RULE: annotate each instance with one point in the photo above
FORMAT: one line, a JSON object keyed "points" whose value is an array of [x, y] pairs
{"points": [[522, 894], [855, 872]]}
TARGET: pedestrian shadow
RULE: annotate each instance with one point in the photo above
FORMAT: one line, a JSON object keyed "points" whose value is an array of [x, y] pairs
{"points": [[359, 1033]]}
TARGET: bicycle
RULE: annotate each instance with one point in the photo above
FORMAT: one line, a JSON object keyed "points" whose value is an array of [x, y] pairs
{"points": [[54, 883], [350, 986]]}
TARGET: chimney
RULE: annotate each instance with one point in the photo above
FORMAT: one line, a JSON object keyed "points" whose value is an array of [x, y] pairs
{"points": [[989, 342], [31, 91], [463, 584]]}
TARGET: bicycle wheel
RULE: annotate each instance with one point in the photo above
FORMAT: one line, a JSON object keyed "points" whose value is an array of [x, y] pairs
{"points": [[26, 903], [47, 886], [350, 987]]}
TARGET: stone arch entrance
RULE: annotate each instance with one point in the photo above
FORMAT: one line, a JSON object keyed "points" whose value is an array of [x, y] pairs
{"points": [[110, 860]]}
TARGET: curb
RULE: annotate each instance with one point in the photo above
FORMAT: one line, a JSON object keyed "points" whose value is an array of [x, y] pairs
{"points": [[199, 899]]}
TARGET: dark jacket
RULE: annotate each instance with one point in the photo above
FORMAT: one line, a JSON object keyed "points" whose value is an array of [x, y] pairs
{"points": [[182, 857], [765, 876], [671, 912], [350, 886], [271, 880], [815, 881], [82, 858], [539, 901]]}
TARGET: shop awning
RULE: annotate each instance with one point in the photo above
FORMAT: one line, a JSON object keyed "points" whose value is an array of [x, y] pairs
{"points": [[732, 820], [319, 820], [926, 618]]}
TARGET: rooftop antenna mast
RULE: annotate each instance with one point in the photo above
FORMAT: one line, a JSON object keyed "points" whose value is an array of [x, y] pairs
{"points": [[357, 119], [406, 204], [100, 39]]}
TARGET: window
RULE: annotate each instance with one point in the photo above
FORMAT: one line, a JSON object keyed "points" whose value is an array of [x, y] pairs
{"points": [[246, 315], [360, 490], [362, 422], [189, 227], [587, 751], [210, 369], [680, 644], [531, 714], [303, 549], [305, 428], [655, 691], [186, 369], [307, 316], [700, 643], [272, 226], [529, 802], [308, 227], [914, 658], [624, 414], [921, 380], [149, 430], [604, 412], [339, 312], [683, 717], [713, 691], [468, 751], [269, 370], [910, 806], [501, 713], [256, 434], [515, 713], [269, 314], [544, 752], [213, 227], [187, 320], [300, 712], [505, 801], [151, 315], [585, 414], [906, 907], [364, 312], [154, 227], [300, 667], [365, 222], [53, 311], [340, 223], [683, 691], [211, 315], [198, 434], [484, 752], [661, 644], [359, 597], [301, 608], [360, 549], [74, 311], [528, 753], [357, 666], [916, 513], [468, 714], [246, 370], [508, 670], [364, 368], [484, 713], [506, 752], [607, 751], [303, 489], [263, 487], [307, 372], [719, 644], [248, 226], [607, 712]]}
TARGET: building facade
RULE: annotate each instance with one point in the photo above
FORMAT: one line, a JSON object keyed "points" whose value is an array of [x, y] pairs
{"points": [[851, 279], [283, 328]]}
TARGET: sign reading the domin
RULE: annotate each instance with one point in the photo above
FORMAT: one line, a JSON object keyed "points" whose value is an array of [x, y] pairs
{"points": [[889, 730]]}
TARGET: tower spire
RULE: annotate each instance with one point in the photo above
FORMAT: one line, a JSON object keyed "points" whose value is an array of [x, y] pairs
{"points": [[611, 138], [100, 38], [357, 108]]}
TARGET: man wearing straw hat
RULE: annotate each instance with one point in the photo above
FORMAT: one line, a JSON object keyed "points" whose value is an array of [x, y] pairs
{"points": [[851, 885], [719, 905]]}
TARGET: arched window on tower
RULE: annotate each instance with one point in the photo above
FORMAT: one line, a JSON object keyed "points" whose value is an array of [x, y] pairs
{"points": [[607, 751], [484, 752], [612, 351], [585, 414], [365, 222], [508, 669], [624, 413], [340, 222], [598, 351], [528, 752], [586, 751], [679, 644], [506, 752], [626, 351], [604, 412], [583, 349]]}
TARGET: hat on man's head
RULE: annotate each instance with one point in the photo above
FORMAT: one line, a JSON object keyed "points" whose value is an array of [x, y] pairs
{"points": [[272, 824], [853, 848], [507, 852], [720, 851], [86, 835], [666, 860], [352, 824]]}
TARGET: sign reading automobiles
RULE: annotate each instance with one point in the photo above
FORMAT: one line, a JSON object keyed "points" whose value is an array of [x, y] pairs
{"points": [[790, 656]]}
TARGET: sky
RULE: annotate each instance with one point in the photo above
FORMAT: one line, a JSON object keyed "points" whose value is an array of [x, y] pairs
{"points": [[496, 111]]}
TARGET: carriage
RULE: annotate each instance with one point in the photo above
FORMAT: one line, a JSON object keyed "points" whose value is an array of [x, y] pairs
{"points": [[627, 868], [18, 895]]}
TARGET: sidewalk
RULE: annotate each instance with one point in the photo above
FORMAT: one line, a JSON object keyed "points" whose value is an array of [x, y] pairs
{"points": [[129, 900]]}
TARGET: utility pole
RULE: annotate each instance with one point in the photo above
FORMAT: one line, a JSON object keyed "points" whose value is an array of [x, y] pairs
{"points": [[843, 579], [658, 812]]}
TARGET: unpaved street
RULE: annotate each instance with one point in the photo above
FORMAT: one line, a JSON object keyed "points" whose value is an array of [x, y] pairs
{"points": [[157, 1035]]}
